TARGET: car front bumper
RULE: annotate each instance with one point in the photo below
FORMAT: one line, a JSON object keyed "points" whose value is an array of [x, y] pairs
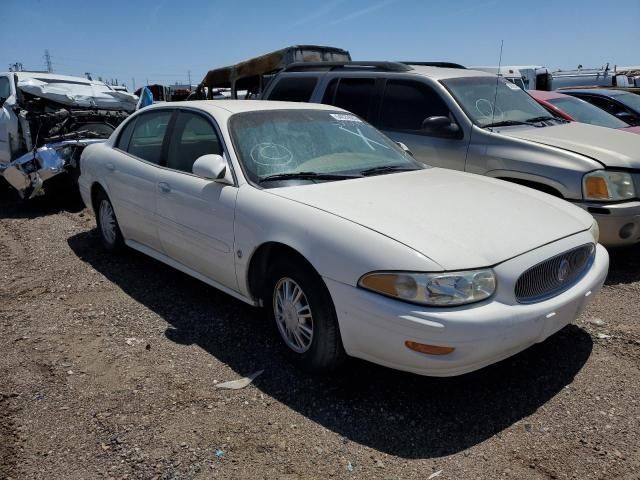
{"points": [[375, 328], [619, 223]]}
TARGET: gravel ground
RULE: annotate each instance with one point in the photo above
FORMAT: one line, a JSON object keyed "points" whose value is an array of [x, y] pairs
{"points": [[109, 365]]}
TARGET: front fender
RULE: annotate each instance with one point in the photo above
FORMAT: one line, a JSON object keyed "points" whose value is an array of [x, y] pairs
{"points": [[337, 248], [497, 155]]}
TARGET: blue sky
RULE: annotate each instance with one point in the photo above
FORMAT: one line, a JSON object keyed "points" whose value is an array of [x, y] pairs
{"points": [[160, 40]]}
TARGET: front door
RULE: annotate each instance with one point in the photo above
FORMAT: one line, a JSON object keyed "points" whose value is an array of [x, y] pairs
{"points": [[405, 105], [196, 215]]}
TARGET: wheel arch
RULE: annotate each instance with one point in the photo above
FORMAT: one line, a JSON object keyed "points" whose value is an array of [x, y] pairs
{"points": [[534, 184], [262, 257], [95, 188]]}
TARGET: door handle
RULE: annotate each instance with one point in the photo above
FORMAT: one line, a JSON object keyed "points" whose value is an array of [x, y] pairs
{"points": [[164, 187], [111, 167]]}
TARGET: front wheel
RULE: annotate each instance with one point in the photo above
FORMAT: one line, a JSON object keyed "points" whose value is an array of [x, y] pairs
{"points": [[301, 307], [108, 228]]}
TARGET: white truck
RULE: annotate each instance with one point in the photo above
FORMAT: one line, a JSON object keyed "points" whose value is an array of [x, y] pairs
{"points": [[527, 77]]}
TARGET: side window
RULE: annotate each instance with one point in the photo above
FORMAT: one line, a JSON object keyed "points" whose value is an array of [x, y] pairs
{"points": [[406, 104], [605, 104], [5, 89], [192, 137], [148, 135], [294, 89], [355, 95], [125, 135]]}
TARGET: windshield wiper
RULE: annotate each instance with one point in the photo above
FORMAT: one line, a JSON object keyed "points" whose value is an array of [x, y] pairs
{"points": [[306, 176], [507, 123], [541, 118], [386, 169]]}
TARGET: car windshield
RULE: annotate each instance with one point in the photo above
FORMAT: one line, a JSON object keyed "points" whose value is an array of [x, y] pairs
{"points": [[586, 113], [489, 100], [313, 142], [631, 100]]}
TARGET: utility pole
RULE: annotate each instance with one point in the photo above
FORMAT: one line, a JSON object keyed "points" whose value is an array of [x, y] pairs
{"points": [[47, 61], [189, 76], [133, 82]]}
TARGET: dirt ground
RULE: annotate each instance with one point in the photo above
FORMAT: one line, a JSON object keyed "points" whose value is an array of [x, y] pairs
{"points": [[108, 368]]}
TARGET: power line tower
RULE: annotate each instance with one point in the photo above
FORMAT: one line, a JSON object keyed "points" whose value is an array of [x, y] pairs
{"points": [[47, 61]]}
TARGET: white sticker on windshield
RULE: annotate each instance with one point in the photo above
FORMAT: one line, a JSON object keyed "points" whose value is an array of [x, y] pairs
{"points": [[512, 86], [343, 117]]}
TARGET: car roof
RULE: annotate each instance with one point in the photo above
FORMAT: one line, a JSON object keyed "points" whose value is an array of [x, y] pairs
{"points": [[595, 91], [439, 73], [231, 107], [544, 95]]}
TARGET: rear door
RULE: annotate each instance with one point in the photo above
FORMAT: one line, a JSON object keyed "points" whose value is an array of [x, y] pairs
{"points": [[405, 105], [196, 215], [131, 175]]}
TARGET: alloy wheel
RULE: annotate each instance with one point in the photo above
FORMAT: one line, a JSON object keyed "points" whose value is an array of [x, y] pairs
{"points": [[293, 315]]}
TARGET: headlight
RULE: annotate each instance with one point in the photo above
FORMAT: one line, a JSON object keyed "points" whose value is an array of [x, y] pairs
{"points": [[595, 231], [434, 289], [606, 185]]}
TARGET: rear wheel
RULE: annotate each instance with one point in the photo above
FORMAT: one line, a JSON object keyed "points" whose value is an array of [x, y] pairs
{"points": [[108, 228], [303, 311]]}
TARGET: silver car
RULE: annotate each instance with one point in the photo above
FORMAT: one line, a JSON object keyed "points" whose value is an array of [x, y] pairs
{"points": [[474, 121]]}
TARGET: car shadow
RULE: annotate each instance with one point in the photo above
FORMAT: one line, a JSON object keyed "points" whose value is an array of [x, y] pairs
{"points": [[624, 265], [394, 412], [60, 199]]}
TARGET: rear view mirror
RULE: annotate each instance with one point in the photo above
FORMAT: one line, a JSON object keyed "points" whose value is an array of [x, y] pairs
{"points": [[440, 125], [212, 167]]}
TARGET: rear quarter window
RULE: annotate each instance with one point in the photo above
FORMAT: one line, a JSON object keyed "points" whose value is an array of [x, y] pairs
{"points": [[294, 89]]}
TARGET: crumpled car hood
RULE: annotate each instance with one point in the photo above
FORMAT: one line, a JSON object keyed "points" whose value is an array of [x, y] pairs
{"points": [[458, 220], [609, 146], [79, 95]]}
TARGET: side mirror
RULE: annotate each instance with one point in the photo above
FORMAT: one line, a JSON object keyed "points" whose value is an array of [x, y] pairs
{"points": [[440, 125], [405, 148], [211, 166]]}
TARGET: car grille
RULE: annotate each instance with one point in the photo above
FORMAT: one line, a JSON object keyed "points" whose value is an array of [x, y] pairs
{"points": [[555, 275]]}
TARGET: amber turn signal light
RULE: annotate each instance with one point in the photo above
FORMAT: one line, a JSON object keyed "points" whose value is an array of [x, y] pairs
{"points": [[596, 187], [430, 349]]}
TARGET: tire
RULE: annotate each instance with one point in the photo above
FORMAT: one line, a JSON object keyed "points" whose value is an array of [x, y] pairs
{"points": [[316, 346], [107, 224]]}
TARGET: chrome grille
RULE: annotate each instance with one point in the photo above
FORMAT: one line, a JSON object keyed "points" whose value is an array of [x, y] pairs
{"points": [[555, 275]]}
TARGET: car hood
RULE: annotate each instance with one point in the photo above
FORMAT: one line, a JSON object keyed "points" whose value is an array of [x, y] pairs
{"points": [[456, 219], [79, 95], [609, 146]]}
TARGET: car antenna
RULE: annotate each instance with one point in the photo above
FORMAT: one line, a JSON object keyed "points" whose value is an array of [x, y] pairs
{"points": [[495, 97]]}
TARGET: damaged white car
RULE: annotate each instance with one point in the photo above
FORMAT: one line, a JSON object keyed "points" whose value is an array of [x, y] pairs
{"points": [[46, 120]]}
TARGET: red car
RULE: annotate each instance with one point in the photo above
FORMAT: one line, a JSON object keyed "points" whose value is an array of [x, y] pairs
{"points": [[576, 110]]}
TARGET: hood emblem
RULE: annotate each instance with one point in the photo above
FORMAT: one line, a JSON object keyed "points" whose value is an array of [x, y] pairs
{"points": [[563, 270]]}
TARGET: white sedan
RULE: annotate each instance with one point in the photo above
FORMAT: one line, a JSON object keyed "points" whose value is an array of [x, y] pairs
{"points": [[351, 246]]}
